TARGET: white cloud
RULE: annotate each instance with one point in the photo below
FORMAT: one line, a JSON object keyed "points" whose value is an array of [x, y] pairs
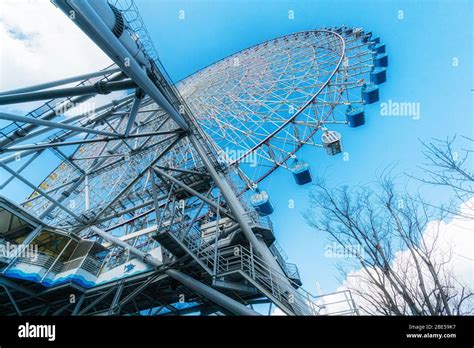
{"points": [[39, 43], [454, 245]]}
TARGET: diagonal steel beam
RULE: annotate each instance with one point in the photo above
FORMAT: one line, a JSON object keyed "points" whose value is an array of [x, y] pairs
{"points": [[139, 289], [61, 309], [19, 170], [50, 124], [98, 88], [129, 186], [95, 301], [61, 82], [12, 300], [114, 308], [40, 191], [39, 146], [139, 95], [193, 192]]}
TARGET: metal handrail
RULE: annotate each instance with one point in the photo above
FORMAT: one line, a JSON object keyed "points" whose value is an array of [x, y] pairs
{"points": [[275, 282], [239, 258]]}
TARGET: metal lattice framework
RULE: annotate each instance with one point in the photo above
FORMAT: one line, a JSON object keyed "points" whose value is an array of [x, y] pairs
{"points": [[147, 173], [264, 103]]}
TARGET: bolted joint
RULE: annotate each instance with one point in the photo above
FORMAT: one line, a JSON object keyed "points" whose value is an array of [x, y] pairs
{"points": [[139, 93], [145, 258], [102, 87]]}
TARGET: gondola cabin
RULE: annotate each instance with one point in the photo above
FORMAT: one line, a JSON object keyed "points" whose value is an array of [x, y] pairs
{"points": [[366, 37], [261, 202], [332, 142], [301, 172], [370, 93], [381, 60], [378, 75], [355, 116], [379, 48]]}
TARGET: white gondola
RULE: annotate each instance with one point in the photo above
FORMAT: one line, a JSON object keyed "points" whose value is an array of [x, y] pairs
{"points": [[332, 142]]}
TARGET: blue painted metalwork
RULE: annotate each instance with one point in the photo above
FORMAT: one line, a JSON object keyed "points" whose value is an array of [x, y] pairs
{"points": [[301, 172], [355, 116], [370, 93], [378, 75]]}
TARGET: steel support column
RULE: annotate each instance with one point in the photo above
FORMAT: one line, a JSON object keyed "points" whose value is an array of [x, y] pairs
{"points": [[139, 95]]}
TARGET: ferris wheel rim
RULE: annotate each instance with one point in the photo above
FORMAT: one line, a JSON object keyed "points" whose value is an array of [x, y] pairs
{"points": [[277, 165], [253, 46], [309, 102], [296, 114]]}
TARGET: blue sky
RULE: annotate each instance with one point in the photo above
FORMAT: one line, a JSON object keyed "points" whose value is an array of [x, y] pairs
{"points": [[421, 49]]}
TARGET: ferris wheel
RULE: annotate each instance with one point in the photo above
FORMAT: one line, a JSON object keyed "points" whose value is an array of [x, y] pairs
{"points": [[161, 169], [262, 104], [257, 108]]}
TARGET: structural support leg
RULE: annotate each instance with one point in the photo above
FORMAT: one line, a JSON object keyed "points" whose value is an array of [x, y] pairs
{"points": [[114, 309], [210, 293], [215, 296], [12, 300]]}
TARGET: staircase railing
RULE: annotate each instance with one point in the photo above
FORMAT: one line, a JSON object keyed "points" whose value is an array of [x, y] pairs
{"points": [[271, 282]]}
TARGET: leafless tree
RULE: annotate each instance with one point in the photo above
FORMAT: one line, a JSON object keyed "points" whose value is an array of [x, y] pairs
{"points": [[403, 269], [448, 166]]}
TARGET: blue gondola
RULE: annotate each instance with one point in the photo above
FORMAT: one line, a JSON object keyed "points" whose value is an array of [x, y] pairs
{"points": [[381, 60], [375, 40], [332, 142], [379, 48], [378, 75], [261, 202], [355, 116], [371, 45], [366, 37], [301, 172], [370, 93]]}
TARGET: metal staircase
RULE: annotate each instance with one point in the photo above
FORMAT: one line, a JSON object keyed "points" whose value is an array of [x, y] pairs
{"points": [[191, 244], [239, 262], [239, 268]]}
